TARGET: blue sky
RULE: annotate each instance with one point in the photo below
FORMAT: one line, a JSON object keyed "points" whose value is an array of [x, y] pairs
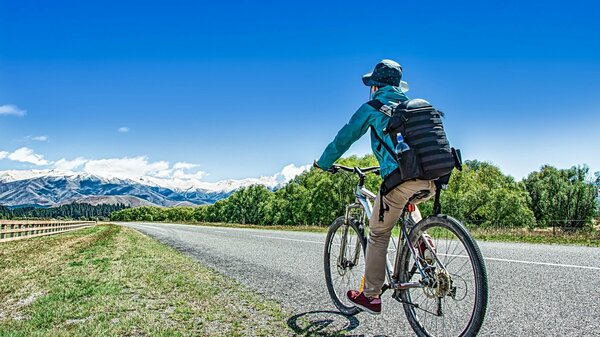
{"points": [[242, 89]]}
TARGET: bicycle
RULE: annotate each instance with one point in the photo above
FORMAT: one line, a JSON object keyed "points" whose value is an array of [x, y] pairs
{"points": [[436, 293]]}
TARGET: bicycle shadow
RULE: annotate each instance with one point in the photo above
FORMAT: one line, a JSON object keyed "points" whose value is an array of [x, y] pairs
{"points": [[324, 323]]}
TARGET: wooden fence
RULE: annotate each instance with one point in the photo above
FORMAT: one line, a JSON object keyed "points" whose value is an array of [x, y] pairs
{"points": [[17, 229]]}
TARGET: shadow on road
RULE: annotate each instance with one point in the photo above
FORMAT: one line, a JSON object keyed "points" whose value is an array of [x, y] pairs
{"points": [[324, 323]]}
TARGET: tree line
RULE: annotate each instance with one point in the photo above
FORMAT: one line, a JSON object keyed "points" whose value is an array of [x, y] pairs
{"points": [[481, 195], [74, 211]]}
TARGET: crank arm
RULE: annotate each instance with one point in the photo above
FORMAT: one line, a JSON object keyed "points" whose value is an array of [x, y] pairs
{"points": [[408, 285]]}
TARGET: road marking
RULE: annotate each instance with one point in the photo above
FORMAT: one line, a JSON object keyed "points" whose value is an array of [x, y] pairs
{"points": [[543, 263], [287, 239], [531, 262], [485, 258], [223, 232]]}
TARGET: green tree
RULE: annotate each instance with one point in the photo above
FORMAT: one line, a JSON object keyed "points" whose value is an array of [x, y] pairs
{"points": [[200, 213], [177, 214], [597, 183], [74, 211], [246, 205], [482, 195], [564, 197]]}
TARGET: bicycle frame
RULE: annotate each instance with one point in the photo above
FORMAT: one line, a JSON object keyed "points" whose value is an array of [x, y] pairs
{"points": [[364, 199]]}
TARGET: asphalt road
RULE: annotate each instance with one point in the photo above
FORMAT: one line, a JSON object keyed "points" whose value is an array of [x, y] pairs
{"points": [[535, 290]]}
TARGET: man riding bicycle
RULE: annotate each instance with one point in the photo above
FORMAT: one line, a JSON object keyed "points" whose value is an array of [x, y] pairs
{"points": [[384, 83]]}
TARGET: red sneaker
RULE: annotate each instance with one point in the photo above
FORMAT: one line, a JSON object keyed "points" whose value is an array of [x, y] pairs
{"points": [[423, 250], [359, 299]]}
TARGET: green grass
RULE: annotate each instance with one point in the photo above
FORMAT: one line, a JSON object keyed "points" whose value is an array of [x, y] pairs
{"points": [[590, 238], [113, 281]]}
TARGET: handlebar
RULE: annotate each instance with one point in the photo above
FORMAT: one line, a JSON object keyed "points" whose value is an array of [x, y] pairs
{"points": [[361, 172]]}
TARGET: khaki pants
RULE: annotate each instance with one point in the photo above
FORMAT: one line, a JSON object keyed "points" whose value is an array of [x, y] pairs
{"points": [[380, 231]]}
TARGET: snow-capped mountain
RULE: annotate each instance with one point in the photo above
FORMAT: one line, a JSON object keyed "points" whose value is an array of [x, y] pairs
{"points": [[13, 175], [55, 187], [56, 190]]}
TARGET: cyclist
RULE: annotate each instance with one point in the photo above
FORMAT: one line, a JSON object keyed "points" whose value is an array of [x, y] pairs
{"points": [[385, 86]]}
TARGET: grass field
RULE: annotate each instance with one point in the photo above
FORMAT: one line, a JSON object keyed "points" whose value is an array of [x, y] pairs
{"points": [[113, 281]]}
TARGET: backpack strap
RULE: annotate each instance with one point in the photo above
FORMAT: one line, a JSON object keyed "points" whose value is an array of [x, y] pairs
{"points": [[437, 206], [386, 146], [441, 183], [385, 109], [399, 116], [383, 207]]}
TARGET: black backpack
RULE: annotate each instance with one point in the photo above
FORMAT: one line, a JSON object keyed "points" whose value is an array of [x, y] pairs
{"points": [[430, 156]]}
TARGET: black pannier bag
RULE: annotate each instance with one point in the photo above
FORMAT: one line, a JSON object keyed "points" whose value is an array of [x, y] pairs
{"points": [[430, 156]]}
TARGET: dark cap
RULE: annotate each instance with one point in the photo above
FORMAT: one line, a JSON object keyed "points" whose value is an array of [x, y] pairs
{"points": [[386, 72]]}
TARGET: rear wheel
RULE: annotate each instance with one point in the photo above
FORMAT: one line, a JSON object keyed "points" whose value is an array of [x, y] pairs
{"points": [[454, 301], [344, 262]]}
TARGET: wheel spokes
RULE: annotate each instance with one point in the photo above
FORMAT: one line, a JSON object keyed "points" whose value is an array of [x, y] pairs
{"points": [[346, 275], [445, 307]]}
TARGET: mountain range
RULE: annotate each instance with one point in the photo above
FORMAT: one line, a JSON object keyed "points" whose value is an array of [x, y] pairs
{"points": [[48, 188]]}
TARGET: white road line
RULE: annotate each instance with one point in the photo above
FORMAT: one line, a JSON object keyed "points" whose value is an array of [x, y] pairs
{"points": [[531, 262], [485, 258], [543, 263], [223, 232]]}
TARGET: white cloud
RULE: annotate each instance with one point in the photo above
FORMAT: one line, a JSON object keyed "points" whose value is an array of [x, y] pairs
{"points": [[13, 110], [278, 179], [123, 129], [125, 168], [164, 173], [180, 174], [184, 166], [40, 138], [3, 154], [139, 169], [26, 155], [69, 165], [290, 171]]}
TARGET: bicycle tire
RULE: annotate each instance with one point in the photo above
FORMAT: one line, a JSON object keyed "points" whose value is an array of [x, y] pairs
{"points": [[337, 223], [480, 275]]}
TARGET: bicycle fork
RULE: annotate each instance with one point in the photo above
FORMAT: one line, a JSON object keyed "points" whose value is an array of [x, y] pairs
{"points": [[342, 260]]}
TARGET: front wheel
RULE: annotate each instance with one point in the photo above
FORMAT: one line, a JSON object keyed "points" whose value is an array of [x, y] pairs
{"points": [[344, 262], [453, 299]]}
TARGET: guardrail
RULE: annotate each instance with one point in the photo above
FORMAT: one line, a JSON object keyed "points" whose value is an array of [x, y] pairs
{"points": [[16, 229]]}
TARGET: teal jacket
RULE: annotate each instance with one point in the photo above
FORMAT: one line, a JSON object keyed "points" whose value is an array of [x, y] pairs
{"points": [[364, 118]]}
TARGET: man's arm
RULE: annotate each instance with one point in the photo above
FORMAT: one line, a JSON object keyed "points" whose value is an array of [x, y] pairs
{"points": [[350, 133]]}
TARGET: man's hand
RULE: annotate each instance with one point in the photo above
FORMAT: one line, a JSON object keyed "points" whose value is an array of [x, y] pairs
{"points": [[332, 169]]}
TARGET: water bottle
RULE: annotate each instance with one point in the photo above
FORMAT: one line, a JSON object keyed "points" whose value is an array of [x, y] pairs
{"points": [[401, 146]]}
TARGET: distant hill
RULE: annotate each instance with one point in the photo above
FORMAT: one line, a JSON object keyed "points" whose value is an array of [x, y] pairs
{"points": [[53, 190]]}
